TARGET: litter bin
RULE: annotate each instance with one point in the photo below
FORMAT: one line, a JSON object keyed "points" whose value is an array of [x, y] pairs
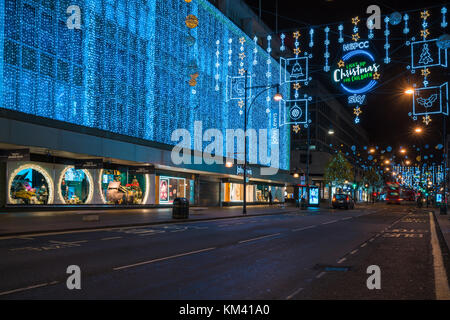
{"points": [[180, 208]]}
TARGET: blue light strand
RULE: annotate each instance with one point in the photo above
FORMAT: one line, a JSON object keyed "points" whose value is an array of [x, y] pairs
{"points": [[326, 68], [341, 36], [311, 37], [444, 22], [405, 19], [387, 45], [125, 71]]}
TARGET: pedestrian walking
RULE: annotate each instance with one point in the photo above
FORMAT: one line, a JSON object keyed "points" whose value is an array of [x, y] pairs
{"points": [[270, 198]]}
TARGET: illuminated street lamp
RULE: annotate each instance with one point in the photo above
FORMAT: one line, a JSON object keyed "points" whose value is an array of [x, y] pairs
{"points": [[276, 97], [409, 91], [387, 161], [372, 150], [402, 151], [408, 162], [418, 130]]}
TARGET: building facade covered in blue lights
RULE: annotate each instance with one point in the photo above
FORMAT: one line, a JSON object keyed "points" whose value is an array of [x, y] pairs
{"points": [[114, 90]]}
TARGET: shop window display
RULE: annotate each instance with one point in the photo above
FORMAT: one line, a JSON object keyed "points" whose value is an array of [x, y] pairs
{"points": [[75, 186], [118, 187], [171, 188], [30, 186]]}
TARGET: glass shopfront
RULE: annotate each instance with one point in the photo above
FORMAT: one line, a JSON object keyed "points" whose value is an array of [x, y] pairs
{"points": [[75, 186], [30, 184], [119, 187], [174, 187]]}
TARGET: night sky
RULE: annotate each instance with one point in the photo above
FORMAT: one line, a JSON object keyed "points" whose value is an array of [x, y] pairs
{"points": [[385, 117]]}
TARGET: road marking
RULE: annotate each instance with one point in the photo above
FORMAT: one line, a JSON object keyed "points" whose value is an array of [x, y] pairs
{"points": [[305, 228], [347, 218], [354, 251], [258, 238], [364, 244], [342, 260], [289, 297], [332, 221], [320, 275], [440, 277], [162, 259], [23, 289], [111, 238]]}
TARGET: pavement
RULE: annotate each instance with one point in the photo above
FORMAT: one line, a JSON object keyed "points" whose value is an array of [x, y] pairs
{"points": [[14, 223], [320, 255], [444, 225]]}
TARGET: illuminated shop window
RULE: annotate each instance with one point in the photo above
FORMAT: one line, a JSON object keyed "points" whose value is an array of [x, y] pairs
{"points": [[75, 186], [119, 187], [171, 188], [30, 184]]}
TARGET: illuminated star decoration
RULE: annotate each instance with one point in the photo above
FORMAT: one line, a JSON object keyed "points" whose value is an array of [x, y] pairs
{"points": [[296, 86], [357, 111], [242, 56], [355, 37], [424, 14], [296, 35], [376, 76], [424, 33], [242, 40], [355, 20], [296, 128], [426, 119], [241, 71], [356, 120], [426, 72], [341, 64], [297, 51]]}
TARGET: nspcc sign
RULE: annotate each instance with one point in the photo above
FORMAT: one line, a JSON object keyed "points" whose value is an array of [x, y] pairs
{"points": [[357, 72]]}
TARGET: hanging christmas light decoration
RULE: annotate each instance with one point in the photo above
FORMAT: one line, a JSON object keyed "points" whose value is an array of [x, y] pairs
{"points": [[268, 73], [406, 28], [311, 34], [341, 35], [444, 23], [230, 52], [282, 37], [217, 65], [326, 68], [370, 27], [387, 45], [255, 50]]}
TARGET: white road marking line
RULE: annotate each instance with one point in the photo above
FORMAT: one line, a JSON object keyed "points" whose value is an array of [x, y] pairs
{"points": [[342, 260], [258, 238], [364, 244], [305, 228], [440, 276], [25, 238], [347, 218], [161, 259], [23, 289], [320, 275], [111, 238], [332, 221], [372, 239], [289, 297], [354, 251]]}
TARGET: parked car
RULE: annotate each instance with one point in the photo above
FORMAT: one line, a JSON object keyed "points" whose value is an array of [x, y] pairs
{"points": [[342, 200]]}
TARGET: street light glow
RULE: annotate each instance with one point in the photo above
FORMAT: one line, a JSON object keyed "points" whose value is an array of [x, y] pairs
{"points": [[409, 91], [278, 97], [330, 131], [418, 130]]}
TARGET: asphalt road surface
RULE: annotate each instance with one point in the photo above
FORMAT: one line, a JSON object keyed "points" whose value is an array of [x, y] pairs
{"points": [[320, 255]]}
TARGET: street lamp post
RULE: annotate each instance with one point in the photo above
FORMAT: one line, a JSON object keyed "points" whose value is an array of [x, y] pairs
{"points": [[277, 97]]}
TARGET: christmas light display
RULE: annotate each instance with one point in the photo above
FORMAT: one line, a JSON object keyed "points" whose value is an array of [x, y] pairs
{"points": [[387, 59], [127, 69], [444, 23], [326, 68]]}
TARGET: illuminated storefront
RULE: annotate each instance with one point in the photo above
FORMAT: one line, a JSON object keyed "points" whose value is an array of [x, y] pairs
{"points": [[75, 186], [30, 184], [120, 187], [233, 192]]}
